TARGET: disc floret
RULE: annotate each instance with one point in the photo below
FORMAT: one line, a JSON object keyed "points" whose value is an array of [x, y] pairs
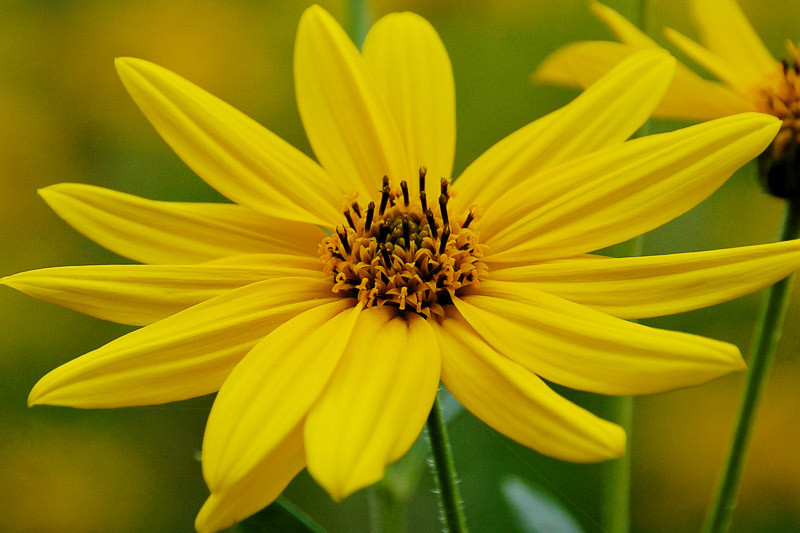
{"points": [[402, 253]]}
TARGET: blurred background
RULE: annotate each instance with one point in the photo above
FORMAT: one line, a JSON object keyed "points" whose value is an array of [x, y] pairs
{"points": [[66, 117]]}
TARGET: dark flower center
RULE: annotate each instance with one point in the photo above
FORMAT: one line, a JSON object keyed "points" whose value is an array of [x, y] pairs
{"points": [[404, 253]]}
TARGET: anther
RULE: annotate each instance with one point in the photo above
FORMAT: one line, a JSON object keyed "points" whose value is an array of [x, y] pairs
{"points": [[470, 218], [785, 65], [443, 208], [343, 240], [384, 197], [404, 187], [349, 219], [443, 186], [370, 213], [387, 259], [406, 231], [431, 222], [423, 199], [445, 236], [385, 182], [356, 209], [422, 172]]}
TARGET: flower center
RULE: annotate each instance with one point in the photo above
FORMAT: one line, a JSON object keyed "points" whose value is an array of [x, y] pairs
{"points": [[404, 253], [780, 96]]}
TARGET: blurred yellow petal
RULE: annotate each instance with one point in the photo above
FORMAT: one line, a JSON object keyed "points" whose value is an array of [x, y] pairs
{"points": [[605, 114], [376, 403], [175, 232], [727, 33], [142, 294], [260, 487], [584, 349], [688, 97], [233, 153], [346, 118], [714, 64], [625, 31], [272, 389], [641, 287], [620, 192], [515, 402], [185, 355], [412, 69]]}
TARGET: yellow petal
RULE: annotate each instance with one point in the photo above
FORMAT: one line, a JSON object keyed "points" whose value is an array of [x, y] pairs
{"points": [[625, 31], [518, 404], [578, 347], [641, 287], [346, 118], [185, 355], [620, 192], [233, 153], [271, 390], [688, 97], [260, 487], [713, 63], [412, 69], [605, 114], [376, 402], [728, 34], [142, 294], [175, 232]]}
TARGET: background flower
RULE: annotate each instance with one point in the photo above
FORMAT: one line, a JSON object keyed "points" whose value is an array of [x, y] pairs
{"points": [[72, 120]]}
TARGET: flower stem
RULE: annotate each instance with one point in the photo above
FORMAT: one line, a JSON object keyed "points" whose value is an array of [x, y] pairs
{"points": [[444, 473], [615, 476], [770, 323]]}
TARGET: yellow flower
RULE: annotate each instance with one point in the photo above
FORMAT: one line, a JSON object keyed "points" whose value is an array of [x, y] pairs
{"points": [[327, 347], [750, 78]]}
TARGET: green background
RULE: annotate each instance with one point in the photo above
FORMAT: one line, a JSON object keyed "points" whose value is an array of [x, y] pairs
{"points": [[66, 117]]}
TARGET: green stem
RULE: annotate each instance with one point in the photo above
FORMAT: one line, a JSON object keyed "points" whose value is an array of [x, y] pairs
{"points": [[770, 323], [444, 470], [615, 476]]}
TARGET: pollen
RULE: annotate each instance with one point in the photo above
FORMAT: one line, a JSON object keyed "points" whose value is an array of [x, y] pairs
{"points": [[405, 252], [780, 96]]}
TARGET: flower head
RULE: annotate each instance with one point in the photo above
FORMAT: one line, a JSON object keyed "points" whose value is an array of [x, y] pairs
{"points": [[327, 347], [750, 79]]}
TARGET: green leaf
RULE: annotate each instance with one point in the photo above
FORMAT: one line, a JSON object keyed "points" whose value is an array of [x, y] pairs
{"points": [[281, 516], [536, 510]]}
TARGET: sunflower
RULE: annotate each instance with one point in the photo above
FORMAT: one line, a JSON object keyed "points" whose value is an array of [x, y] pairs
{"points": [[750, 79], [328, 301]]}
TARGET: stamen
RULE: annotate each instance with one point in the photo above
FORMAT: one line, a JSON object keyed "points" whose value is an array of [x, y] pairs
{"points": [[349, 219], [422, 172], [431, 222], [387, 259], [443, 208], [404, 187], [343, 240], [384, 197], [370, 213], [470, 218], [443, 185], [445, 236], [403, 256]]}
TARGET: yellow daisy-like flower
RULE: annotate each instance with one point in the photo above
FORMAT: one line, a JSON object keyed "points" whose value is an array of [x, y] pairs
{"points": [[326, 304], [750, 78]]}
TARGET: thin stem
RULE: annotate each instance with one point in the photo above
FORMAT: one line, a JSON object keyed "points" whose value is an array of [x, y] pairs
{"points": [[770, 323], [444, 470], [615, 476]]}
